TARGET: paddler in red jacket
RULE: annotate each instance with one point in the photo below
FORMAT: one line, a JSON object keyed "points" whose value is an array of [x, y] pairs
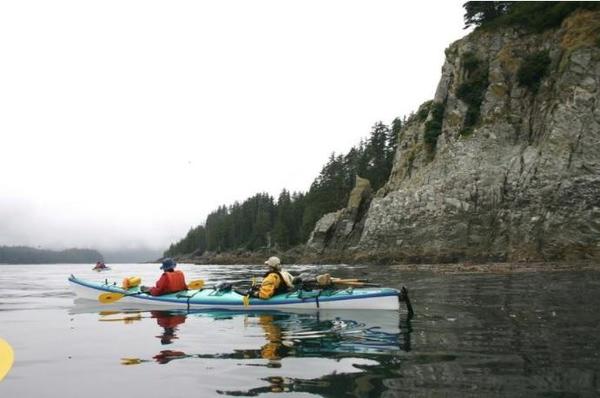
{"points": [[170, 281]]}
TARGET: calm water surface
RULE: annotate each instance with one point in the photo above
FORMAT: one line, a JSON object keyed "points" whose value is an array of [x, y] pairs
{"points": [[473, 335]]}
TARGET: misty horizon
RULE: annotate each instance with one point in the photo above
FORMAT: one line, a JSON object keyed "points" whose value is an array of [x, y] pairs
{"points": [[135, 137], [130, 255]]}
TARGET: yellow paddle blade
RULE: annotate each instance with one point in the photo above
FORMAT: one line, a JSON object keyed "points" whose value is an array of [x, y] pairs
{"points": [[126, 319], [196, 285], [6, 358], [107, 298], [246, 301], [130, 361], [105, 313]]}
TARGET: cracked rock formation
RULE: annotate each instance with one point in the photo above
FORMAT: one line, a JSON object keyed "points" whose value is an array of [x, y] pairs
{"points": [[514, 176]]}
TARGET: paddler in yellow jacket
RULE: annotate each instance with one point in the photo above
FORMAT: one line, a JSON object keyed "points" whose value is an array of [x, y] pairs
{"points": [[275, 281]]}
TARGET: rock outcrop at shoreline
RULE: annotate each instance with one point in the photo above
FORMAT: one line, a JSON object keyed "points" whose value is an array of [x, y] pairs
{"points": [[340, 228], [499, 166]]}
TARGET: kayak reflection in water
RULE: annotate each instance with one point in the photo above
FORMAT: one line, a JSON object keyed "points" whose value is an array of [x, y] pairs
{"points": [[169, 322], [166, 356], [324, 334], [274, 349]]}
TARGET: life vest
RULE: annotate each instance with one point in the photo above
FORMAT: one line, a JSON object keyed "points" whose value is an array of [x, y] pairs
{"points": [[288, 279], [175, 282], [282, 287]]}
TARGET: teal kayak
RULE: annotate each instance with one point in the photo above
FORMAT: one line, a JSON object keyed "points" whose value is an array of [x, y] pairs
{"points": [[211, 298]]}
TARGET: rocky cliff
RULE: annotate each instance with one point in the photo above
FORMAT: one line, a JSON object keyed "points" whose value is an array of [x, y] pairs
{"points": [[503, 164]]}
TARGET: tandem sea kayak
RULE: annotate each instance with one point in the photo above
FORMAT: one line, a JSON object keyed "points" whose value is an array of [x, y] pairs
{"points": [[210, 298]]}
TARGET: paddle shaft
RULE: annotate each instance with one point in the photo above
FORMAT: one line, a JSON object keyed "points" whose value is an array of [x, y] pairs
{"points": [[357, 284], [111, 297], [340, 282], [349, 280]]}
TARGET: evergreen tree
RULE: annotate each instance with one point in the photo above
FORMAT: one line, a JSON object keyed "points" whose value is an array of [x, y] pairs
{"points": [[259, 222], [480, 12], [194, 242], [284, 221], [377, 154], [263, 223], [394, 138], [298, 206]]}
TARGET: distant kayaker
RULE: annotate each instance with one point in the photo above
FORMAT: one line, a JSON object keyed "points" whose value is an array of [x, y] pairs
{"points": [[100, 265], [275, 281], [170, 281]]}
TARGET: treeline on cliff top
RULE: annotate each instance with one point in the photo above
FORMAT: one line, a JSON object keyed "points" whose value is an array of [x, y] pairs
{"points": [[261, 221], [535, 16], [30, 255]]}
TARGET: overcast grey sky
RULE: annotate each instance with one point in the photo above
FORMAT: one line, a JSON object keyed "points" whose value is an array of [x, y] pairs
{"points": [[124, 123]]}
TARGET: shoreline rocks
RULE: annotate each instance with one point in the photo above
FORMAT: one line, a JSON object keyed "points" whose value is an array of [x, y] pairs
{"points": [[458, 267]]}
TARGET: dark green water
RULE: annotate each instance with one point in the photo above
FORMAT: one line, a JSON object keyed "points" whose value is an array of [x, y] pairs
{"points": [[522, 334]]}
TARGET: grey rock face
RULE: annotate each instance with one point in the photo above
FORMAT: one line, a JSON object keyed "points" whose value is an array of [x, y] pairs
{"points": [[341, 229], [525, 183], [321, 233]]}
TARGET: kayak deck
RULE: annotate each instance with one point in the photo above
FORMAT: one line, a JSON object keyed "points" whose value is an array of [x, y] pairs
{"points": [[350, 298]]}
